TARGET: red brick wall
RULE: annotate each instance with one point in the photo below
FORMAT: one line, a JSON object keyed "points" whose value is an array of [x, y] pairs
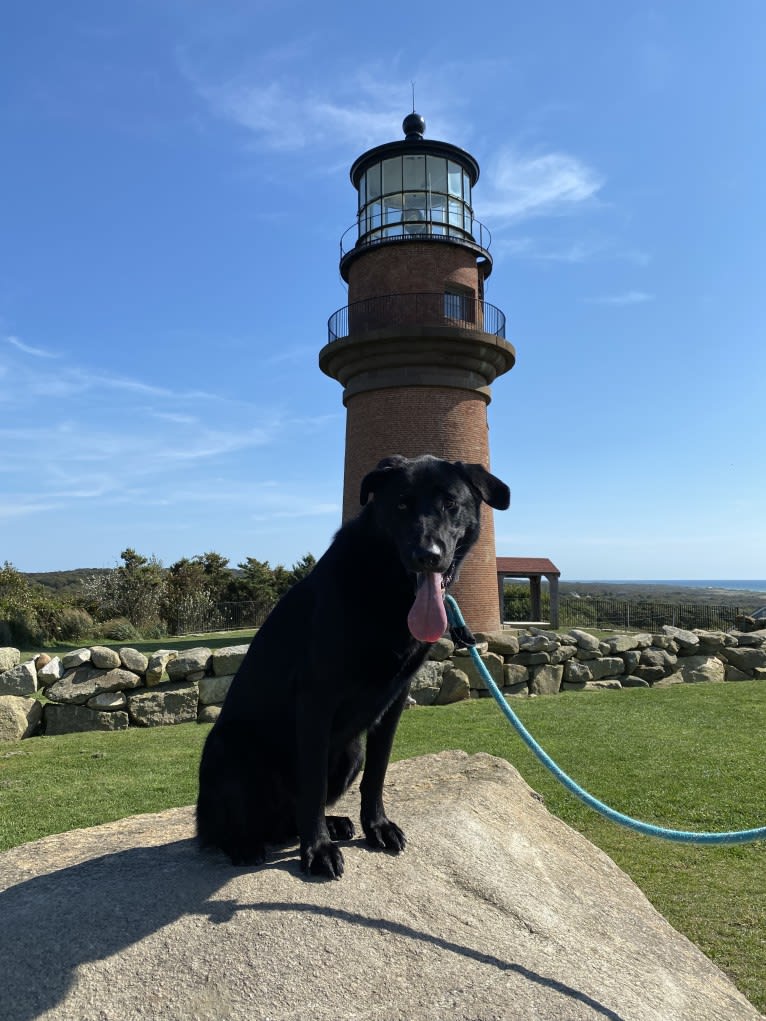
{"points": [[447, 423], [411, 267]]}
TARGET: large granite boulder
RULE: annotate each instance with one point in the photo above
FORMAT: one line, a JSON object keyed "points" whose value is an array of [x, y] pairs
{"points": [[190, 665], [156, 667], [491, 661], [695, 669], [50, 672], [9, 657], [497, 911], [81, 684], [19, 717], [104, 657], [747, 658], [70, 719], [213, 690], [164, 706], [19, 680], [426, 682], [227, 660]]}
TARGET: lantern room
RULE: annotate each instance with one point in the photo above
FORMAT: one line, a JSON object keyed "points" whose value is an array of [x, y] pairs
{"points": [[415, 189]]}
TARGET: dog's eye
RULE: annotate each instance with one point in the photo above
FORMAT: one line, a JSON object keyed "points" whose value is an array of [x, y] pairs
{"points": [[403, 505], [449, 503]]}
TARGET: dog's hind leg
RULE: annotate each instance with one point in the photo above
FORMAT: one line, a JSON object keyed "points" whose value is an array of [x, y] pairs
{"points": [[229, 812], [226, 819]]}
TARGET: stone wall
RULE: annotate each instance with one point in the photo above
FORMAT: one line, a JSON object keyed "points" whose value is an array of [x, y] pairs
{"points": [[101, 688], [537, 662]]}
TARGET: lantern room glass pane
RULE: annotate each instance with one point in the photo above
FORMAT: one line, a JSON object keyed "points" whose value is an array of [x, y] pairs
{"points": [[392, 175], [438, 207], [455, 213], [373, 182], [392, 209], [466, 188], [415, 212], [374, 215], [414, 172], [437, 174], [454, 176]]}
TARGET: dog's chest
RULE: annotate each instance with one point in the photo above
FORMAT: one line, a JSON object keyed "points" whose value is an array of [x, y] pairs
{"points": [[376, 684]]}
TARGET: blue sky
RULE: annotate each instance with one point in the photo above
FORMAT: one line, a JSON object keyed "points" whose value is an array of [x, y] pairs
{"points": [[174, 181]]}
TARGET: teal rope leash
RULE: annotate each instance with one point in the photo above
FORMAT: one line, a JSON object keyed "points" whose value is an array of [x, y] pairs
{"points": [[455, 618]]}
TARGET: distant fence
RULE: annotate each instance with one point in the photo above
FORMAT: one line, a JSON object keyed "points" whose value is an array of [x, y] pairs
{"points": [[605, 614], [221, 617], [645, 616], [630, 615]]}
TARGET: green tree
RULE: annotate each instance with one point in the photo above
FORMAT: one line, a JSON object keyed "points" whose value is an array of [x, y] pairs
{"points": [[283, 580], [135, 590], [29, 614], [303, 567], [218, 576], [257, 583]]}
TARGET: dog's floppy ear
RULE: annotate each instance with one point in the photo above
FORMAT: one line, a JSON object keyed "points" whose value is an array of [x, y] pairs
{"points": [[490, 489], [373, 479]]}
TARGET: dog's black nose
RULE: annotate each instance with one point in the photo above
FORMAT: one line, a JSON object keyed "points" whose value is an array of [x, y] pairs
{"points": [[426, 558]]}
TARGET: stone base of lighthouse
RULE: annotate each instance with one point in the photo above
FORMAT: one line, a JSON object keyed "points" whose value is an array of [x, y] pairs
{"points": [[444, 421]]}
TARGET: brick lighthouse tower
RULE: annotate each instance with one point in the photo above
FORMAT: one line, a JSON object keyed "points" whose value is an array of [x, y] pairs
{"points": [[417, 347]]}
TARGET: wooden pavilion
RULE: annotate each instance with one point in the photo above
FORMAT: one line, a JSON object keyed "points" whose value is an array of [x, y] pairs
{"points": [[534, 569]]}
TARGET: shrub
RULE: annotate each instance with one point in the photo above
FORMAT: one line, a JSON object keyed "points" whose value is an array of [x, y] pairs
{"points": [[26, 628], [119, 629], [73, 624], [153, 632]]}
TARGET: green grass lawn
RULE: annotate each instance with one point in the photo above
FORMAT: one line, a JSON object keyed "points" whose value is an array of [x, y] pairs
{"points": [[689, 756]]}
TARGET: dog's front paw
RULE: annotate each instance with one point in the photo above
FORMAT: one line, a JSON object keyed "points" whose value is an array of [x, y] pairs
{"points": [[322, 859], [384, 835]]}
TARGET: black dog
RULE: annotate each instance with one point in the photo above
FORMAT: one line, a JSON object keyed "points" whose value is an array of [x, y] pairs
{"points": [[333, 661]]}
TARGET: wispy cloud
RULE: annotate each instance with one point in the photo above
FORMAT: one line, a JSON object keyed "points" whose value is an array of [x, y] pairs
{"points": [[626, 298], [20, 508], [522, 186], [28, 349], [307, 511], [285, 115], [574, 252], [71, 381], [356, 105]]}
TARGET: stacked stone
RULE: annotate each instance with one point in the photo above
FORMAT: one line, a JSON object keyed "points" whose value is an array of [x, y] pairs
{"points": [[538, 662], [101, 688]]}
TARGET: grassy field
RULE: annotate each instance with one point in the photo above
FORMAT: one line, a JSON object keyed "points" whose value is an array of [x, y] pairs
{"points": [[687, 756]]}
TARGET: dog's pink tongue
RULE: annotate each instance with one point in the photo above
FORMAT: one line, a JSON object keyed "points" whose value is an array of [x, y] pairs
{"points": [[427, 619]]}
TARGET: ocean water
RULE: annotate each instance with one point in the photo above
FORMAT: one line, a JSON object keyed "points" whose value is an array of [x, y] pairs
{"points": [[737, 584]]}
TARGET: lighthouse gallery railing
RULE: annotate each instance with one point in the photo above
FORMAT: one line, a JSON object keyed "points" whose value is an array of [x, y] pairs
{"points": [[428, 308]]}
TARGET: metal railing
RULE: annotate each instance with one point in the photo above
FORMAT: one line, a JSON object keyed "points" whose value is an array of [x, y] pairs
{"points": [[228, 616], [477, 235], [604, 614], [645, 616], [426, 308]]}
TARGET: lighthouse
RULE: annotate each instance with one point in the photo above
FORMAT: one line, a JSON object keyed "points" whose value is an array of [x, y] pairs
{"points": [[417, 347]]}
